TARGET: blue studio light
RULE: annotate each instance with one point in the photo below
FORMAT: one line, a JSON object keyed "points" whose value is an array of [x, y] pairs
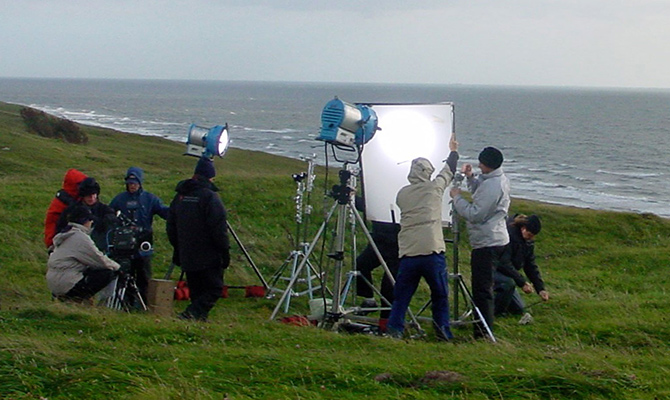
{"points": [[207, 142], [347, 124]]}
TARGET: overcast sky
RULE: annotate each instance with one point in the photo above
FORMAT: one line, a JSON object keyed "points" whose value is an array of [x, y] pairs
{"points": [[615, 43]]}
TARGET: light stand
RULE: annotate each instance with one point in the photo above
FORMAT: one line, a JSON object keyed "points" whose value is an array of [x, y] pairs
{"points": [[305, 184], [343, 206]]}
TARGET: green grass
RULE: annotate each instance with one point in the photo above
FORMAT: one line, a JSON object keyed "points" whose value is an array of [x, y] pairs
{"points": [[603, 335]]}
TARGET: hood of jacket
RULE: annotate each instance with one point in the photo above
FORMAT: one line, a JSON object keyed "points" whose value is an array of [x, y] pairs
{"points": [[189, 185], [420, 171], [139, 174], [70, 230], [71, 182]]}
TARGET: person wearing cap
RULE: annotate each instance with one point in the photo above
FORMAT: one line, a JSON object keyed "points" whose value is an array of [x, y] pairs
{"points": [[198, 231], [66, 196], [486, 221], [76, 269], [140, 207], [104, 217], [519, 255], [421, 243]]}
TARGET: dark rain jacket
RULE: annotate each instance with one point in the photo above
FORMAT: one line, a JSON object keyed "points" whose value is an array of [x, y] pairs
{"points": [[197, 227], [104, 219], [66, 196], [140, 206], [520, 255]]}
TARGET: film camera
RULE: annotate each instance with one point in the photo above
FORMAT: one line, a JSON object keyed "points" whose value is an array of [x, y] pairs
{"points": [[126, 242]]}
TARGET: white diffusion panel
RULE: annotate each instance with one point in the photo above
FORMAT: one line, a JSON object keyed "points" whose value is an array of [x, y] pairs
{"points": [[407, 131]]}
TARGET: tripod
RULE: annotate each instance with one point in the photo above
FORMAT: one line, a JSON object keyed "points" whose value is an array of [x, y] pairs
{"points": [[124, 294], [168, 273], [344, 206], [305, 183]]}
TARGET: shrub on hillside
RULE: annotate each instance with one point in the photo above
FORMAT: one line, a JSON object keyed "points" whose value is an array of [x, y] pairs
{"points": [[53, 127]]}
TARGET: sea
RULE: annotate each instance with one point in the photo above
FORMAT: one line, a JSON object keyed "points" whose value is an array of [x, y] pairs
{"points": [[596, 148]]}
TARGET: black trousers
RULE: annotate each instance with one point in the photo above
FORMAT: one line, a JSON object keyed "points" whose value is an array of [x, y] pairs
{"points": [[482, 262], [367, 261], [94, 280], [206, 287], [507, 299], [140, 268]]}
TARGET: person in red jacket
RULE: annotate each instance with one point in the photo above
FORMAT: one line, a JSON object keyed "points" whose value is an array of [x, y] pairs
{"points": [[67, 195]]}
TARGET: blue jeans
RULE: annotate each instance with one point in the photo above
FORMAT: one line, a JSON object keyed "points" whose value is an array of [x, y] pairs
{"points": [[433, 268]]}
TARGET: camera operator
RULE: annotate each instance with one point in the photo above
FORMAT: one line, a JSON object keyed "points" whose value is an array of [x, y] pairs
{"points": [[77, 270], [519, 254], [140, 207], [421, 243], [485, 217], [104, 217], [197, 230]]}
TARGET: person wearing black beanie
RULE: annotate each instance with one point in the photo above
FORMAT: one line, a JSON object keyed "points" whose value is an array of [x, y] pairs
{"points": [[486, 221], [519, 255], [103, 216], [198, 231]]}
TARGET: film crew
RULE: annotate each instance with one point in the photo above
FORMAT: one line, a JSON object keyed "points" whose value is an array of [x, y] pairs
{"points": [[519, 255], [66, 196], [421, 243], [197, 230], [77, 269], [385, 237], [140, 207], [485, 217], [104, 217]]}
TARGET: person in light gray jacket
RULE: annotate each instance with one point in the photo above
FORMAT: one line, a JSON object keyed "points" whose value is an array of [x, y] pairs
{"points": [[77, 270], [485, 217]]}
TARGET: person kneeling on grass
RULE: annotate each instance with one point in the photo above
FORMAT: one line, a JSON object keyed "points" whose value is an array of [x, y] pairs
{"points": [[519, 254], [77, 270]]}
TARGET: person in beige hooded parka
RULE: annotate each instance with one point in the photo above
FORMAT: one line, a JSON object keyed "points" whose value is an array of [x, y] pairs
{"points": [[421, 243], [77, 270]]}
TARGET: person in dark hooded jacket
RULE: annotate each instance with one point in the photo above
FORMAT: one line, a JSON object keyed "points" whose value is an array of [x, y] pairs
{"points": [[140, 206], [104, 217], [519, 255], [68, 195], [197, 229]]}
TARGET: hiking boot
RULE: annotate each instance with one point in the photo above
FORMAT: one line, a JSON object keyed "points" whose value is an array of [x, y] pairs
{"points": [[526, 319], [444, 334]]}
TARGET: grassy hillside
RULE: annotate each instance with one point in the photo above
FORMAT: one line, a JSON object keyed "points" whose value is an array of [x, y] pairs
{"points": [[603, 335]]}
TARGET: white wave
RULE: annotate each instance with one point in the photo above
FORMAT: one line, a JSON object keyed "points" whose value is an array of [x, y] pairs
{"points": [[629, 174]]}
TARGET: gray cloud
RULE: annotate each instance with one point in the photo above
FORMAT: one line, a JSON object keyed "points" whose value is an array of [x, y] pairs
{"points": [[516, 42]]}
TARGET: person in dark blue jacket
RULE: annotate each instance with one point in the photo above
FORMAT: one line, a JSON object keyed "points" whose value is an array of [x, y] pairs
{"points": [[140, 206], [198, 231]]}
